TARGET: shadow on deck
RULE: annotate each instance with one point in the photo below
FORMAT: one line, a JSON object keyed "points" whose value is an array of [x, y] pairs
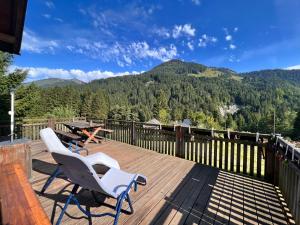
{"points": [[178, 192]]}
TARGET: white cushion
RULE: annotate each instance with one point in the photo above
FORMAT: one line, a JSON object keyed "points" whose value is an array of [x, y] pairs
{"points": [[102, 159], [116, 181]]}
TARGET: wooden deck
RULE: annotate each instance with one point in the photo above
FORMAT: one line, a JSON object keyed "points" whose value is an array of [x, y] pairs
{"points": [[178, 191]]}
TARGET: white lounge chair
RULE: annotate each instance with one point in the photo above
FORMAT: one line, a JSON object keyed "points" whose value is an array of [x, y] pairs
{"points": [[115, 183], [53, 144]]}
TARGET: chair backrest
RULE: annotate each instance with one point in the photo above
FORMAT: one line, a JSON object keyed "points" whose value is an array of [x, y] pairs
{"points": [[52, 142], [80, 172], [74, 166]]}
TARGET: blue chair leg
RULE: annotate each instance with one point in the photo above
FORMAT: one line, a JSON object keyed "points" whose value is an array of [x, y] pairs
{"points": [[50, 179], [129, 203], [70, 146], [74, 190], [118, 208], [124, 196]]}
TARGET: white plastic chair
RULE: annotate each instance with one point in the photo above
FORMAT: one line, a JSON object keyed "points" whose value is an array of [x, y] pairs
{"points": [[54, 145], [115, 183]]}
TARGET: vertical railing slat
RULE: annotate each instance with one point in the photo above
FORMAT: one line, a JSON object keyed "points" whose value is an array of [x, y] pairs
{"points": [[251, 160], [238, 157], [215, 153], [245, 160], [226, 155], [259, 156], [232, 154], [210, 144], [221, 154]]}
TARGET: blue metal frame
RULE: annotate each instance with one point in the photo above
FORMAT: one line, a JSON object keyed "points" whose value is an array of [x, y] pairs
{"points": [[77, 148], [120, 200], [55, 174]]}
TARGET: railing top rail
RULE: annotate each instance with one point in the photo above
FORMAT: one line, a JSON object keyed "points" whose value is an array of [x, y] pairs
{"points": [[289, 147], [33, 124], [240, 133]]}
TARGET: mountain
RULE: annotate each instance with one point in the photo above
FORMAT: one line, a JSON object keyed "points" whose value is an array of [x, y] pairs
{"points": [[198, 91], [56, 82], [178, 67], [211, 97], [292, 76]]}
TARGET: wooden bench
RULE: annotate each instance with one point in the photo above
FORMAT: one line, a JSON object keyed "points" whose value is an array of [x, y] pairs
{"points": [[105, 132], [19, 203], [68, 137]]}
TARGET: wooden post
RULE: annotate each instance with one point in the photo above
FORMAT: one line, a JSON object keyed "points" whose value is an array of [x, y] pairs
{"points": [[179, 151], [277, 162], [270, 158], [133, 134], [51, 123]]}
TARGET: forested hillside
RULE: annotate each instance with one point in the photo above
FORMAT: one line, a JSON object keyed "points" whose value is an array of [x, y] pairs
{"points": [[56, 82], [211, 97], [177, 90]]}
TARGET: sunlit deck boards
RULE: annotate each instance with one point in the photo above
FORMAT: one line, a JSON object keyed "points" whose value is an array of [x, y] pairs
{"points": [[178, 192]]}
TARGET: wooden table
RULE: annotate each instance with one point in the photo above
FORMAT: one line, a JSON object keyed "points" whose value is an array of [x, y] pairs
{"points": [[88, 129], [18, 202]]}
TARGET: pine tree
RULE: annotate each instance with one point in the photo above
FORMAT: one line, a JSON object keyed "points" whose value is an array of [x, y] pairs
{"points": [[86, 104], [8, 81], [296, 130], [100, 105]]}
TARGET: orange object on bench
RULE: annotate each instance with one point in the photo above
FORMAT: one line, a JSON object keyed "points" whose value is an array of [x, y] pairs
{"points": [[19, 204]]}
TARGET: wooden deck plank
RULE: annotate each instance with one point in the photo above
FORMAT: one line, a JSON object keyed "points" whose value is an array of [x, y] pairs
{"points": [[200, 203], [178, 191], [150, 204], [176, 199]]}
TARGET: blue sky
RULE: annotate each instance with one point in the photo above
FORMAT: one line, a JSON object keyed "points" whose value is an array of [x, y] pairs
{"points": [[94, 39]]}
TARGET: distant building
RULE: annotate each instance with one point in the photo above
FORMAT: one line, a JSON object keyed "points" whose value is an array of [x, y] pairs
{"points": [[186, 123], [153, 124]]}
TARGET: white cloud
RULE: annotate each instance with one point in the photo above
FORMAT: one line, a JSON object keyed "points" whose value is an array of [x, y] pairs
{"points": [[232, 46], [190, 46], [162, 32], [50, 4], [47, 16], [58, 19], [183, 30], [132, 15], [228, 37], [236, 29], [214, 39], [296, 67], [143, 50], [233, 58], [196, 2], [37, 73], [32, 43], [124, 54], [206, 40]]}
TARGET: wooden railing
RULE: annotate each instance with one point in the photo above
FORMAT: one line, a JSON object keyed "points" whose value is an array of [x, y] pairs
{"points": [[287, 174], [240, 152], [232, 151], [263, 156], [30, 128]]}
